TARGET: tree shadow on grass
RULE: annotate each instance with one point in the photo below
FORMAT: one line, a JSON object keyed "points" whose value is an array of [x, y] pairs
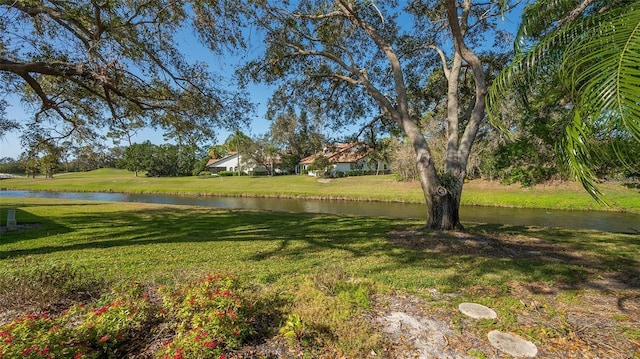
{"points": [[29, 226], [575, 258], [571, 258], [161, 225]]}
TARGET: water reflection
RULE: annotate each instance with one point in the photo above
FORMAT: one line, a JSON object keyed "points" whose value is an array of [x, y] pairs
{"points": [[604, 221]]}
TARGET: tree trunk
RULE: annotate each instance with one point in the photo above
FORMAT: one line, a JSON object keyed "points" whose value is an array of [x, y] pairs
{"points": [[442, 195], [442, 199], [443, 213]]}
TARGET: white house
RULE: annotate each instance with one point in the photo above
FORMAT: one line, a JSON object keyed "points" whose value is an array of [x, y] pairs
{"points": [[231, 162], [234, 161], [345, 157]]}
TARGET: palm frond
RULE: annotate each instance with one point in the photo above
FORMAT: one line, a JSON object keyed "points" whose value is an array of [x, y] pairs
{"points": [[597, 57], [538, 20], [577, 155], [602, 70]]}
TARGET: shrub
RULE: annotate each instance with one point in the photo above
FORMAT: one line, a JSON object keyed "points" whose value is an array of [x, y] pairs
{"points": [[209, 316], [352, 173], [81, 332], [112, 319], [227, 173]]}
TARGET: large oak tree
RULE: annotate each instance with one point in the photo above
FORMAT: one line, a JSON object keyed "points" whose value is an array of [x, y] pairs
{"points": [[347, 60]]}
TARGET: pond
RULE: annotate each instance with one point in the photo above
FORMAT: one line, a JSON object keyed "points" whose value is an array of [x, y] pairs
{"points": [[599, 220]]}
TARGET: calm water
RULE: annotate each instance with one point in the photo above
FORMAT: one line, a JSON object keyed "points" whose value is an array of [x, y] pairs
{"points": [[604, 221]]}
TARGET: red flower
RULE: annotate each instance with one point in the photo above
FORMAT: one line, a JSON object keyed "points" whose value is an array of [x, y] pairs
{"points": [[210, 344], [105, 338], [222, 356], [100, 310], [78, 356]]}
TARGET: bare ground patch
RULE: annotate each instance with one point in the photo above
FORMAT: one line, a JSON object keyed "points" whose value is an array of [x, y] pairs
{"points": [[596, 318]]}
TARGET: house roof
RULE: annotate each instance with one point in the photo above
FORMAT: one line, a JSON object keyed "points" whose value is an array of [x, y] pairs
{"points": [[212, 162], [341, 153]]}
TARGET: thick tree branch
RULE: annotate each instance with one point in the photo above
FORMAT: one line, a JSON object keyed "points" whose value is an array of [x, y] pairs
{"points": [[574, 14], [394, 62], [443, 59], [473, 60]]}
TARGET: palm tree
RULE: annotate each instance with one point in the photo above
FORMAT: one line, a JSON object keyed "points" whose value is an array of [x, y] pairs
{"points": [[593, 47]]}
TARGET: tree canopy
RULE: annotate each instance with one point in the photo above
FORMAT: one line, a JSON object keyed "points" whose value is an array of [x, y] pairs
{"points": [[86, 66]]}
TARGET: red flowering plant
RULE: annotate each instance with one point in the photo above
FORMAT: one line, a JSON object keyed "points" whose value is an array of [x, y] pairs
{"points": [[113, 318], [210, 318], [40, 336], [80, 332]]}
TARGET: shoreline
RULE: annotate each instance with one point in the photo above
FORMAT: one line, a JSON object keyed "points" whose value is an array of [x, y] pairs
{"points": [[314, 198]]}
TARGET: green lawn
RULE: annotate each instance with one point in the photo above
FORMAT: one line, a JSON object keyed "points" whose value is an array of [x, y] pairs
{"points": [[154, 242], [379, 188], [322, 271], [291, 259]]}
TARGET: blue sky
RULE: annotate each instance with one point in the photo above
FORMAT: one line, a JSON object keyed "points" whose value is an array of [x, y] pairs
{"points": [[194, 51], [10, 143]]}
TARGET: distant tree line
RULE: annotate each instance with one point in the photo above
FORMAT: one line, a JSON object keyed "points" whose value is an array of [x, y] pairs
{"points": [[529, 159], [166, 160], [51, 159]]}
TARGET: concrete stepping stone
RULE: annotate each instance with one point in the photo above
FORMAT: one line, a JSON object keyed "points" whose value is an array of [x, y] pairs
{"points": [[512, 344], [477, 311]]}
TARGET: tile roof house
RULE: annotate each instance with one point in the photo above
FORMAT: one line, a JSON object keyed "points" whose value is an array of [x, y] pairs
{"points": [[344, 157]]}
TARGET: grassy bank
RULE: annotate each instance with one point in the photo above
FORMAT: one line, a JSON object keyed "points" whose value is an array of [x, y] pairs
{"points": [[369, 188], [154, 242], [318, 274]]}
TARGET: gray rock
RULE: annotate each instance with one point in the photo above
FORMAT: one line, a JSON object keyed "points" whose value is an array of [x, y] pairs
{"points": [[512, 344], [477, 311]]}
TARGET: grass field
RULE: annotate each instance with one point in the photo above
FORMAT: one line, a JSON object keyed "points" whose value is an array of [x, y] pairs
{"points": [[315, 279], [158, 243], [566, 195], [557, 288]]}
